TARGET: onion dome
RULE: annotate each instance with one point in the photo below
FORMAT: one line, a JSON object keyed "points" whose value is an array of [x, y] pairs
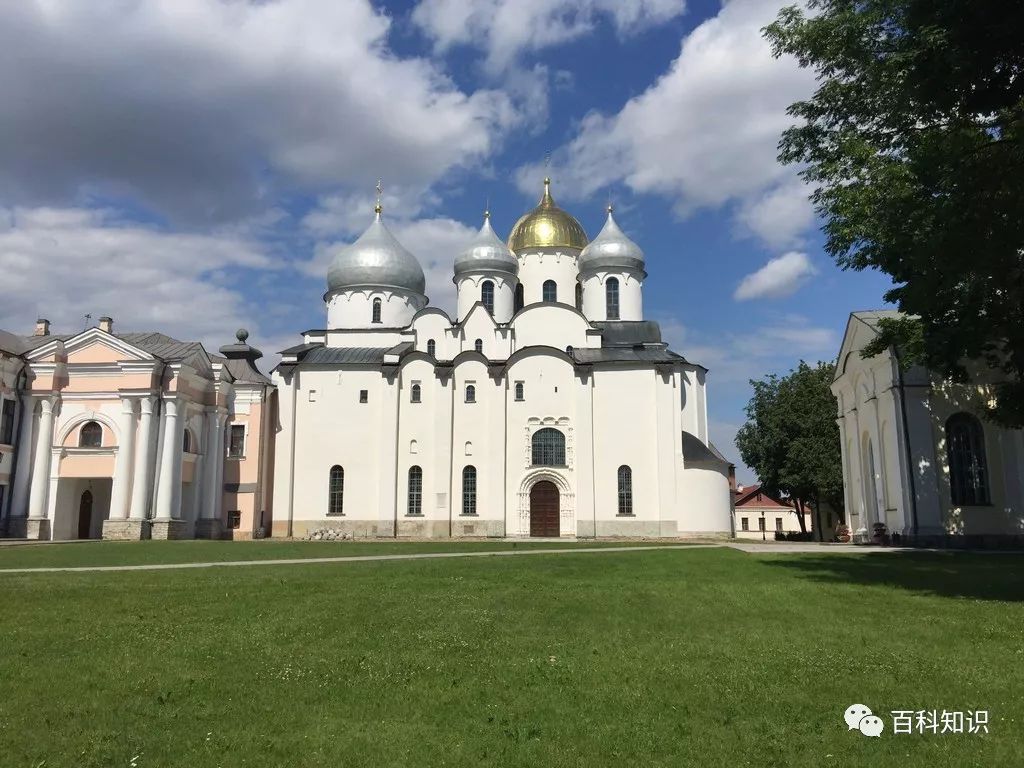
{"points": [[486, 252], [375, 260], [612, 249], [547, 226]]}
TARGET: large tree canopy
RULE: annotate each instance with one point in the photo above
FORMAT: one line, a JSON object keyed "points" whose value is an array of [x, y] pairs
{"points": [[791, 439], [914, 146]]}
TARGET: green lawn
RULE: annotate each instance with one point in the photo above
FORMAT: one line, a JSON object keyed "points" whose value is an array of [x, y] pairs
{"points": [[74, 554], [706, 657]]}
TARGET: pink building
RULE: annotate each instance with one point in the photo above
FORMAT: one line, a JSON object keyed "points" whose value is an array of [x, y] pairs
{"points": [[136, 435]]}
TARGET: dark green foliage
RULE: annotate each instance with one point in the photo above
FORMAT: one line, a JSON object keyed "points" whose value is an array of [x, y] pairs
{"points": [[791, 439], [914, 145]]}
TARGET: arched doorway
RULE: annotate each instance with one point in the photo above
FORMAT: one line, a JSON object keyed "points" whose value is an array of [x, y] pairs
{"points": [[85, 516], [544, 509]]}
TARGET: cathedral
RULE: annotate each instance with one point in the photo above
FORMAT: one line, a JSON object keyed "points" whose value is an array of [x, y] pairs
{"points": [[548, 407]]}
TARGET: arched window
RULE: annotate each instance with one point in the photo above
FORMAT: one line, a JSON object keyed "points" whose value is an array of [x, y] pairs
{"points": [[431, 348], [549, 291], [336, 491], [968, 470], [414, 393], [548, 448], [611, 297], [625, 490], [376, 311], [186, 442], [469, 490], [520, 390], [519, 300], [415, 506], [487, 295], [91, 435], [579, 296], [478, 345], [470, 393]]}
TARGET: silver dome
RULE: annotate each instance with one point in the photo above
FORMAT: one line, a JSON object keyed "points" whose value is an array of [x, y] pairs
{"points": [[611, 248], [486, 252], [376, 259]]}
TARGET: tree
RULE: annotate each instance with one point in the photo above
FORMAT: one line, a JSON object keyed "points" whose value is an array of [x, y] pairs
{"points": [[791, 439], [913, 144]]}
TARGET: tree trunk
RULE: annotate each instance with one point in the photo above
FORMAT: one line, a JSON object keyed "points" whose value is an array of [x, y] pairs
{"points": [[800, 514]]}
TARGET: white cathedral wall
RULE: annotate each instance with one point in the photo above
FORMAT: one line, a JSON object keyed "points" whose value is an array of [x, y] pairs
{"points": [[595, 295], [538, 265], [552, 325], [353, 308], [469, 293]]}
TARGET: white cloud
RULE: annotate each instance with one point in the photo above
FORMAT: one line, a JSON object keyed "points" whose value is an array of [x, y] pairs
{"points": [[505, 29], [779, 215], [205, 110], [64, 263], [706, 133], [782, 276]]}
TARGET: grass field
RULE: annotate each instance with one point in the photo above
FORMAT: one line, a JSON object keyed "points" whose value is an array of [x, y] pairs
{"points": [[706, 657]]}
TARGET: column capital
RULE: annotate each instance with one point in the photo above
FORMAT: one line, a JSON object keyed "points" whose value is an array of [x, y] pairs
{"points": [[146, 405], [48, 402], [127, 405]]}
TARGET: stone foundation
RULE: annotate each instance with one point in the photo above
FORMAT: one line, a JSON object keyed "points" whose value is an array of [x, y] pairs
{"points": [[209, 529], [170, 529], [334, 528], [126, 530], [474, 526], [36, 528], [419, 528]]}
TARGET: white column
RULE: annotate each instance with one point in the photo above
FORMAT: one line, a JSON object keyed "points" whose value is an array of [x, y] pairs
{"points": [[120, 492], [142, 487], [208, 505], [22, 469], [218, 481], [41, 465], [168, 493]]}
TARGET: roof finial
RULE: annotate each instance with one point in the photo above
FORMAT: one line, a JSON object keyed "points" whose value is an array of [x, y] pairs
{"points": [[380, 190], [487, 207], [609, 207]]}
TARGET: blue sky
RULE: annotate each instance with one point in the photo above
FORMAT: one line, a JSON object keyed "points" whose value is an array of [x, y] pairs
{"points": [[190, 165]]}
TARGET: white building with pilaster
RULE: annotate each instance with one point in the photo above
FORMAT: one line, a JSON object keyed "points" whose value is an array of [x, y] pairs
{"points": [[547, 407], [137, 435], [918, 455]]}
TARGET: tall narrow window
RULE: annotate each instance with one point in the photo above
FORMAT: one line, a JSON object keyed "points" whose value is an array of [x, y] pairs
{"points": [[91, 435], [469, 490], [236, 442], [625, 490], [186, 442], [7, 423], [520, 390], [611, 297], [470, 393], [376, 311], [431, 348], [579, 296], [336, 491], [478, 345], [968, 470], [487, 295], [519, 300], [415, 506], [414, 393], [549, 291], [548, 448]]}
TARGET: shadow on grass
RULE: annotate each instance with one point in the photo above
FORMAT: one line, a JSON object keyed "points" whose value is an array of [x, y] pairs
{"points": [[948, 574]]}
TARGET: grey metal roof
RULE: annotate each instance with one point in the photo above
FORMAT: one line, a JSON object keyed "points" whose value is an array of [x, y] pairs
{"points": [[486, 252], [611, 249], [626, 333], [241, 370], [695, 452], [298, 349], [375, 259], [335, 355], [162, 346], [12, 344], [641, 354]]}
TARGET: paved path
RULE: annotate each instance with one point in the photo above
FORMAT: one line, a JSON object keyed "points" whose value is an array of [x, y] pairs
{"points": [[749, 548]]}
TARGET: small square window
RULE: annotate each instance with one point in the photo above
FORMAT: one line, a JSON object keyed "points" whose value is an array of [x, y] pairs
{"points": [[235, 519], [364, 396]]}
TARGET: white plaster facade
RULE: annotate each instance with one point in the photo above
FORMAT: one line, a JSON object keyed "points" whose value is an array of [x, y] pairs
{"points": [[897, 466], [443, 396]]}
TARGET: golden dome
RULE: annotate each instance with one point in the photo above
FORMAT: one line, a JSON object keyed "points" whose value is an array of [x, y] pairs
{"points": [[547, 226]]}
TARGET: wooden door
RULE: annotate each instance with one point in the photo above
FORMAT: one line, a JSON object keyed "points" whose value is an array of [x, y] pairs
{"points": [[544, 509], [85, 515]]}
